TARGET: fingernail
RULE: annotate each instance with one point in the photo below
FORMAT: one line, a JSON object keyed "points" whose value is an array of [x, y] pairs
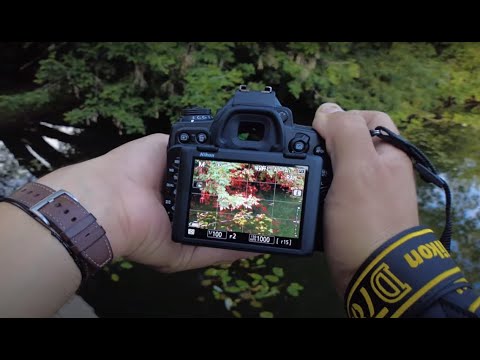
{"points": [[329, 108]]}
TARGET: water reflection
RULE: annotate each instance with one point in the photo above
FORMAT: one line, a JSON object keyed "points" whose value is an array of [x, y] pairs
{"points": [[466, 221]]}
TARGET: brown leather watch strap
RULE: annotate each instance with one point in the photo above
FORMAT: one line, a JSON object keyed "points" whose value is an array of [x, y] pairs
{"points": [[69, 222]]}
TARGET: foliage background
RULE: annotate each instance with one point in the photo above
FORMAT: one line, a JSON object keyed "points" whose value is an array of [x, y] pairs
{"points": [[116, 91], [423, 86]]}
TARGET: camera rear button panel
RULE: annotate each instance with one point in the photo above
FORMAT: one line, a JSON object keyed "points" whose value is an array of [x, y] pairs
{"points": [[171, 186]]}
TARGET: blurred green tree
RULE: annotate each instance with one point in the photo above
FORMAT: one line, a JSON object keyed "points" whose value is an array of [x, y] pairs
{"points": [[421, 85]]}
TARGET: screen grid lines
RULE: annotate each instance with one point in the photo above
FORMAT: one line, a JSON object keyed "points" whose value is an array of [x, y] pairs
{"points": [[244, 198]]}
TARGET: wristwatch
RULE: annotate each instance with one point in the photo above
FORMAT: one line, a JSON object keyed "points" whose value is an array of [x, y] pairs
{"points": [[69, 222]]}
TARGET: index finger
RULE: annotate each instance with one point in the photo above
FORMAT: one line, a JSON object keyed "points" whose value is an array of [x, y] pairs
{"points": [[347, 138]]}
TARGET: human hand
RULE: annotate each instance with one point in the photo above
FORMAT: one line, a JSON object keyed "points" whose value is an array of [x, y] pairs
{"points": [[122, 189], [373, 194]]}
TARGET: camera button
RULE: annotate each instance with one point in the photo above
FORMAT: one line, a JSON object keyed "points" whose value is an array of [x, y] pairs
{"points": [[299, 146], [184, 137], [172, 178], [176, 162], [169, 185], [283, 115], [318, 150], [168, 202], [171, 170], [202, 137]]}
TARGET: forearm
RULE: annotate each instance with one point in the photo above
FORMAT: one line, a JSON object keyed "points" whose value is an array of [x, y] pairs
{"points": [[121, 190], [37, 275]]}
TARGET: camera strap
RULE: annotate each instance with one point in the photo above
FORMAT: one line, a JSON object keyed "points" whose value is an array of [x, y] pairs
{"points": [[425, 169]]}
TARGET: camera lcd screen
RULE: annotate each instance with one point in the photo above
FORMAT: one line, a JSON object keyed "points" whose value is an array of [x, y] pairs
{"points": [[247, 203]]}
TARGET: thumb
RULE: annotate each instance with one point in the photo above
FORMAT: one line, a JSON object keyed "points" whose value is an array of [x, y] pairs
{"points": [[328, 108], [346, 135]]}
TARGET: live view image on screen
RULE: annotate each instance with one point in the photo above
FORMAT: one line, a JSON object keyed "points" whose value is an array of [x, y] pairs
{"points": [[242, 198]]}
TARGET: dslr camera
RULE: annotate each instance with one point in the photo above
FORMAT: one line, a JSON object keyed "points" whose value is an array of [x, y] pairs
{"points": [[248, 178]]}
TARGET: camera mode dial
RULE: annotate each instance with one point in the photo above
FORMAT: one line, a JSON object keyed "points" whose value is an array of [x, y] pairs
{"points": [[196, 114]]}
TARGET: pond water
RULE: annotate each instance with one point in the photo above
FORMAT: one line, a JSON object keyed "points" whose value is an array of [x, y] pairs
{"points": [[142, 292]]}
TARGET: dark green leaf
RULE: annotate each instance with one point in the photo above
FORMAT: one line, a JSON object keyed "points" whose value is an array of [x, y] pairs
{"points": [[278, 271], [266, 314], [206, 282], [255, 276], [294, 289], [245, 264], [226, 279], [232, 289], [126, 265], [262, 294], [216, 295], [296, 286], [272, 278], [242, 284], [255, 304], [211, 272]]}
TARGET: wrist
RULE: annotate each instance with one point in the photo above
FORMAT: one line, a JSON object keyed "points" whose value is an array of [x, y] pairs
{"points": [[33, 265], [94, 195]]}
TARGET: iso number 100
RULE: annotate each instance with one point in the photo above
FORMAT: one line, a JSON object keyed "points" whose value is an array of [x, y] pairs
{"points": [[261, 239]]}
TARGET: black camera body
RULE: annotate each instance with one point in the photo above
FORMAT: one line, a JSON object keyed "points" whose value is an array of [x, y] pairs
{"points": [[248, 178]]}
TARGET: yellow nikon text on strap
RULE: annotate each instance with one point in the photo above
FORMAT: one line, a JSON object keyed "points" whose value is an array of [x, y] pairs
{"points": [[403, 277]]}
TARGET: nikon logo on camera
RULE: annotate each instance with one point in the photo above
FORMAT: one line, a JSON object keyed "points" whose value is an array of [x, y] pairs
{"points": [[205, 154]]}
